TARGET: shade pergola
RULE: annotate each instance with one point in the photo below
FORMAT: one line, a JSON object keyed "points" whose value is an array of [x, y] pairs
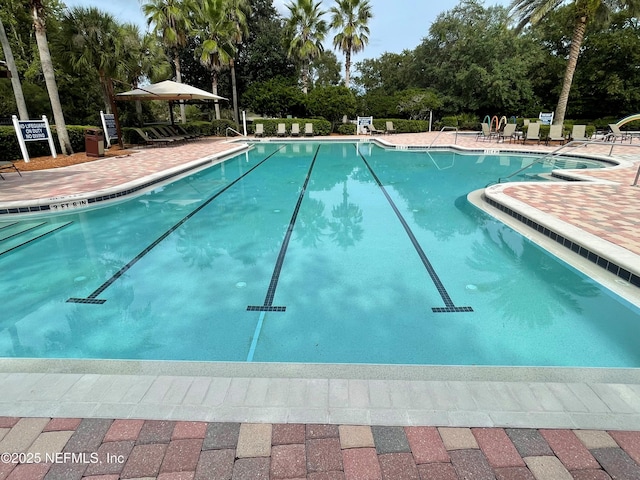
{"points": [[168, 91]]}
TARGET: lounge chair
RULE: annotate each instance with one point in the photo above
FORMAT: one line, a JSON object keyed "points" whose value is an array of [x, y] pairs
{"points": [[6, 164], [616, 134], [151, 140], [556, 134], [259, 130], [295, 129], [390, 128], [163, 132], [485, 133], [533, 133], [373, 130], [282, 130], [308, 129], [509, 131], [578, 133], [177, 130]]}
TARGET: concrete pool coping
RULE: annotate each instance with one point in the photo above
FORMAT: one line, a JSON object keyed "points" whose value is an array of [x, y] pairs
{"points": [[523, 397], [347, 394]]}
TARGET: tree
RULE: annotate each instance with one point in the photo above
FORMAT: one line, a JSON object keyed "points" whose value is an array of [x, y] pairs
{"points": [[263, 53], [351, 18], [172, 23], [417, 103], [332, 103], [15, 78], [585, 11], [90, 39], [238, 11], [37, 13], [217, 48], [306, 31], [325, 70]]}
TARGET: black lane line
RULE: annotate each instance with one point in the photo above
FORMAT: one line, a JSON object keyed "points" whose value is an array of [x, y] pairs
{"points": [[449, 305], [91, 299], [21, 232], [35, 238], [275, 277]]}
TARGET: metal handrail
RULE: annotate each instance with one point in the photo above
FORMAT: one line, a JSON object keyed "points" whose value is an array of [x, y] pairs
{"points": [[556, 152], [635, 182], [455, 141], [226, 132]]}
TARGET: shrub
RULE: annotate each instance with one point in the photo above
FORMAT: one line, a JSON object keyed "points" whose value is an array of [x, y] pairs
{"points": [[402, 125], [346, 129], [10, 148]]}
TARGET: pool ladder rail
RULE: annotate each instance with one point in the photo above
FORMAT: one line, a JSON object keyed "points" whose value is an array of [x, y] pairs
{"points": [[442, 130], [556, 153]]}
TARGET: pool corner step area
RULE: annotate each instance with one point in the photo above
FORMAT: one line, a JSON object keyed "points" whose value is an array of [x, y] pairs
{"points": [[612, 265]]}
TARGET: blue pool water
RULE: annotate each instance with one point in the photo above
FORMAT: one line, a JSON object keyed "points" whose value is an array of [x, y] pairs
{"points": [[310, 252]]}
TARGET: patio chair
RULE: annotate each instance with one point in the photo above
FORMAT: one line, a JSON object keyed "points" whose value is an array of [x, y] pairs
{"points": [[556, 134], [295, 129], [162, 132], [533, 133], [578, 133], [485, 133], [509, 131], [308, 129], [282, 130], [6, 164], [616, 134], [390, 128], [176, 130], [259, 130], [149, 140]]}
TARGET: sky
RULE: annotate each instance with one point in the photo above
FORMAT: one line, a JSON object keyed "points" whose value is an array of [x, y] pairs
{"points": [[396, 25]]}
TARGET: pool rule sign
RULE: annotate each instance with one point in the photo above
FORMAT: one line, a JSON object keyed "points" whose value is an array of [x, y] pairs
{"points": [[109, 125], [33, 131]]}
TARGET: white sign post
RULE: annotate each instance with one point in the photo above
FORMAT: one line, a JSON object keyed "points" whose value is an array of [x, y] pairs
{"points": [[109, 127], [546, 118], [33, 131], [362, 123]]}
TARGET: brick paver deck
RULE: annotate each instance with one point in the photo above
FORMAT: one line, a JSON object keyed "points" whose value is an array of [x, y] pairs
{"points": [[105, 449], [137, 444]]}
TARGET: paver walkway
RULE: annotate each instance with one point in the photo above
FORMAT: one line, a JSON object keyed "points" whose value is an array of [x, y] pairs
{"points": [[106, 449]]}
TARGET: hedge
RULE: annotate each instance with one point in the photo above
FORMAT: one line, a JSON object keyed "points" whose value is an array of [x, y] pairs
{"points": [[402, 125], [10, 149]]}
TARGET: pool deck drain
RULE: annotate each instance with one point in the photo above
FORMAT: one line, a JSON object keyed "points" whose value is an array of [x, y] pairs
{"points": [[468, 404]]}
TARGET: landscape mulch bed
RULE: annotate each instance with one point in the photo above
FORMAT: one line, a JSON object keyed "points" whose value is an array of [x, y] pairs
{"points": [[43, 163]]}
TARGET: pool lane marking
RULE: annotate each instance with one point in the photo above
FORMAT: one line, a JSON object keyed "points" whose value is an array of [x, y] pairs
{"points": [[48, 232], [256, 335], [449, 305], [275, 277], [92, 298]]}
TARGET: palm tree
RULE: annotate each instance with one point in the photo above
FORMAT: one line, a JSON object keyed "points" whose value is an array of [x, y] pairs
{"points": [[351, 18], [37, 13], [146, 59], [218, 46], [91, 40], [238, 11], [15, 79], [305, 31], [586, 11], [172, 23]]}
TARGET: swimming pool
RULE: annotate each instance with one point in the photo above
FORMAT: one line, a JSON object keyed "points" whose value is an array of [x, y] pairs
{"points": [[328, 253]]}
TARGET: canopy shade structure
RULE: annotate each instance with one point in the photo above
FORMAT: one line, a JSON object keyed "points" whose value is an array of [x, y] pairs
{"points": [[168, 91]]}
